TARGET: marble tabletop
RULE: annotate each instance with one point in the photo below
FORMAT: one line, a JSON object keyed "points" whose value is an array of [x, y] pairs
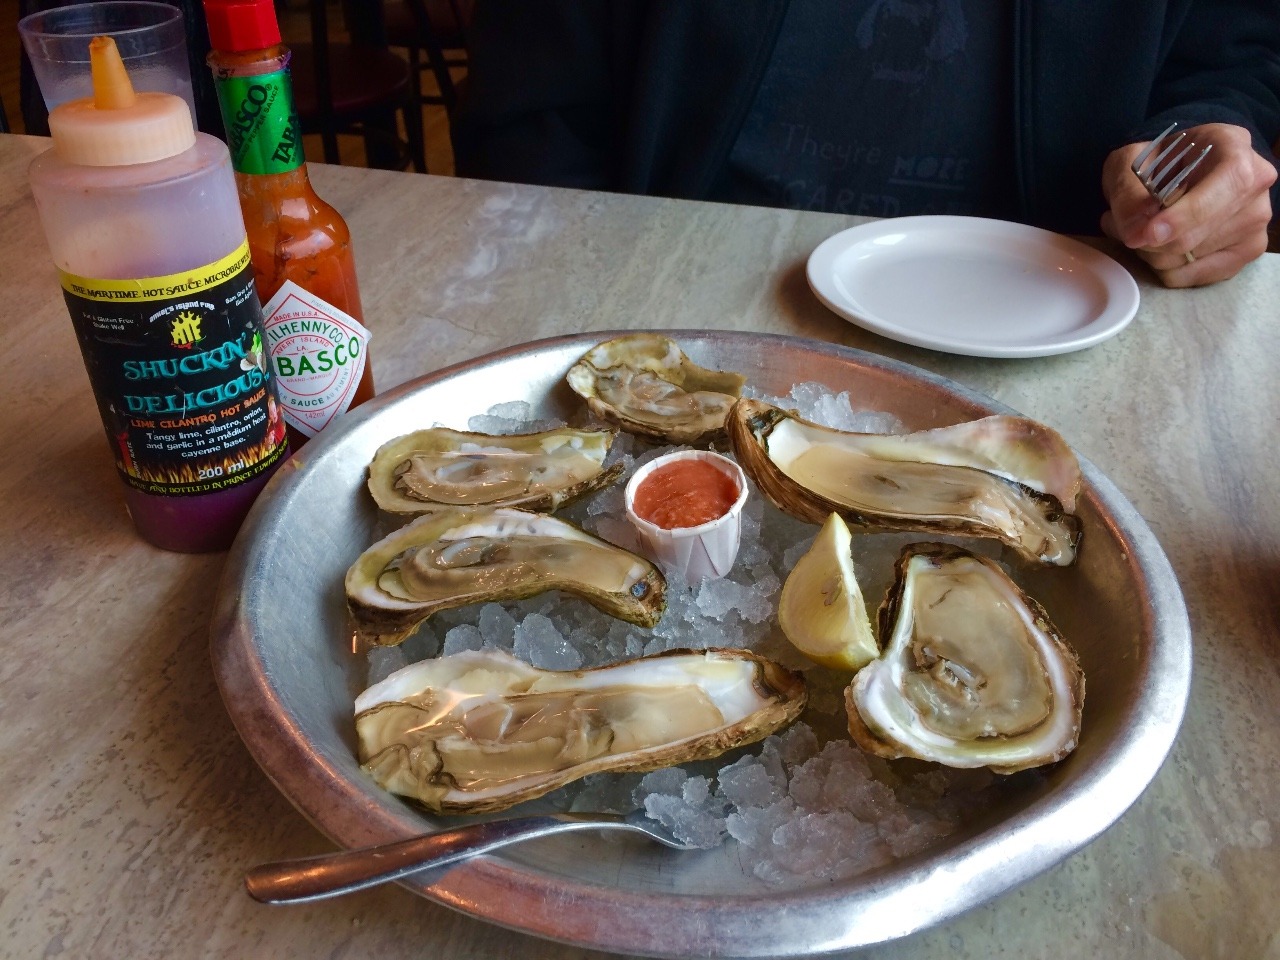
{"points": [[133, 809]]}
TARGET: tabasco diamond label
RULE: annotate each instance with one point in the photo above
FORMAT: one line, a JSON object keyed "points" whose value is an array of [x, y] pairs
{"points": [[318, 354]]}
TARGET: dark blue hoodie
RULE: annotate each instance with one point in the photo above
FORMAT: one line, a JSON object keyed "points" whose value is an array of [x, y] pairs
{"points": [[650, 96]]}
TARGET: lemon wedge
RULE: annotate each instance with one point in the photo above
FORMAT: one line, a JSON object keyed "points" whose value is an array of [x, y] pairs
{"points": [[821, 610]]}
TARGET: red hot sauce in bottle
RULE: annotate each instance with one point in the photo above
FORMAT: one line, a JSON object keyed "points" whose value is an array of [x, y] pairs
{"points": [[300, 246]]}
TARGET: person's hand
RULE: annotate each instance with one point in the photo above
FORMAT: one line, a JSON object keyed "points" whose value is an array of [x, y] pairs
{"points": [[1221, 220]]}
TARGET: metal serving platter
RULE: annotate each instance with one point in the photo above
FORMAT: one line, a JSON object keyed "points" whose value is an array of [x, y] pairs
{"points": [[282, 655]]}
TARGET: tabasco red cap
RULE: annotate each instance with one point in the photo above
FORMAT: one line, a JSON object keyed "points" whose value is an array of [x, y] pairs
{"points": [[239, 25]]}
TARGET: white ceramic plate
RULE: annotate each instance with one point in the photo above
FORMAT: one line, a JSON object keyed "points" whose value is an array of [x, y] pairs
{"points": [[984, 288]]}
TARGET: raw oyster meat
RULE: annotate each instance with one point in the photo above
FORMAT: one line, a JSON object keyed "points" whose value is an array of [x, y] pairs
{"points": [[973, 673], [453, 556], [480, 731], [535, 471], [644, 383], [1003, 477]]}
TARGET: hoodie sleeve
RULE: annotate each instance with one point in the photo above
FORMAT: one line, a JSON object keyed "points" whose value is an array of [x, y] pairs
{"points": [[1223, 67]]}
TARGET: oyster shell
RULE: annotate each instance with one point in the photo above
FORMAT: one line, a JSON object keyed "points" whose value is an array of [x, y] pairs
{"points": [[480, 731], [453, 556], [534, 471], [644, 383], [1003, 477], [973, 673]]}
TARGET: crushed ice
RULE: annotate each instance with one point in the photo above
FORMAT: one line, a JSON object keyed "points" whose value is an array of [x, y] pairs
{"points": [[796, 807]]}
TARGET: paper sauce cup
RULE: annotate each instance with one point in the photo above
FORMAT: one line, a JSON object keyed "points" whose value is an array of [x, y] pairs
{"points": [[706, 551]]}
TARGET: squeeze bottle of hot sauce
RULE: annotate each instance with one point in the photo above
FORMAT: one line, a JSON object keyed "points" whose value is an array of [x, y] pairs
{"points": [[141, 217], [300, 245]]}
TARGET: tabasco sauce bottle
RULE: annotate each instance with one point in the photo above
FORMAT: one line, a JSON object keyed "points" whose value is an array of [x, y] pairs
{"points": [[300, 246]]}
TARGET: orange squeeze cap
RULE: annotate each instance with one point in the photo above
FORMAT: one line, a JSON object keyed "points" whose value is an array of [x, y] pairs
{"points": [[116, 126]]}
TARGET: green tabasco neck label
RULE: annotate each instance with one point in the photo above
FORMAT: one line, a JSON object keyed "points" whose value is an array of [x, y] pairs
{"points": [[262, 125]]}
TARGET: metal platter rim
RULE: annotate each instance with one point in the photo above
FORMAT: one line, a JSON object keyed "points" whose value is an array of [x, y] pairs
{"points": [[867, 909]]}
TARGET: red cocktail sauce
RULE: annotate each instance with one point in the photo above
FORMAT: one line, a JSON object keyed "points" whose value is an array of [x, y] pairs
{"points": [[684, 493]]}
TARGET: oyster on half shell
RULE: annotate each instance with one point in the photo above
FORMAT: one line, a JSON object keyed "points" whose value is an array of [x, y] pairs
{"points": [[644, 383], [973, 673], [1001, 477], [534, 471], [481, 731], [453, 556]]}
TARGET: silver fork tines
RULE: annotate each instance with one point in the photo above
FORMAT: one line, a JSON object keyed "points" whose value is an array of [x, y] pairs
{"points": [[1162, 179]]}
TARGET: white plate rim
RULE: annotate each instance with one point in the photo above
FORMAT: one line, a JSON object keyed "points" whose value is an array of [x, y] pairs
{"points": [[1122, 290]]}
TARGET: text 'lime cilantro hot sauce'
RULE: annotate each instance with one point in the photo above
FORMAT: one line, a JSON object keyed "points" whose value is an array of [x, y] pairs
{"points": [[300, 245], [141, 217], [685, 493]]}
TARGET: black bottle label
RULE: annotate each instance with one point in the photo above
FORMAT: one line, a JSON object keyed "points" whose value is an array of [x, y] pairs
{"points": [[178, 365]]}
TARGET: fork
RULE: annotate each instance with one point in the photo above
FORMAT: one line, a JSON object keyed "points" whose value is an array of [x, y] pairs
{"points": [[329, 875], [1162, 176]]}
